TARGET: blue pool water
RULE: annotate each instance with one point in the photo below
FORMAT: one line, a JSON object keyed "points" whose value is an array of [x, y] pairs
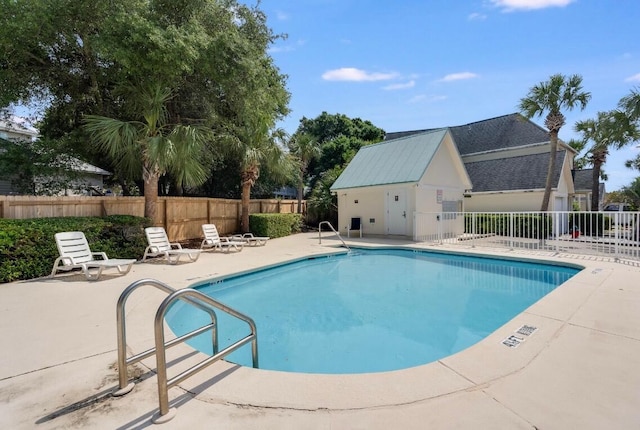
{"points": [[371, 311]]}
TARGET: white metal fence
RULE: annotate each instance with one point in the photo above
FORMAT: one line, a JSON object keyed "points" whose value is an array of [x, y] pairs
{"points": [[610, 234]]}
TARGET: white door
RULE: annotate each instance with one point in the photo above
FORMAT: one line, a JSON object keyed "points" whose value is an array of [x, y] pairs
{"points": [[397, 212]]}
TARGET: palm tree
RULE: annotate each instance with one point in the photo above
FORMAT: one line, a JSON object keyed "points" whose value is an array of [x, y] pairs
{"points": [[559, 92], [579, 163], [630, 104], [151, 146], [304, 147], [259, 147], [610, 130]]}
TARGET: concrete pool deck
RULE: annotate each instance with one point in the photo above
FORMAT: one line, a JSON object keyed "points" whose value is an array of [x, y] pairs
{"points": [[580, 369]]}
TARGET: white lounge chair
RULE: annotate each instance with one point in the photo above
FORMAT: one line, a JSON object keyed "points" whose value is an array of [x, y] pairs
{"points": [[159, 245], [250, 239], [213, 240], [76, 254]]}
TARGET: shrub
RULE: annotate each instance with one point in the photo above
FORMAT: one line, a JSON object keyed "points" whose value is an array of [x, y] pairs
{"points": [[524, 225], [275, 225], [590, 223], [28, 248]]}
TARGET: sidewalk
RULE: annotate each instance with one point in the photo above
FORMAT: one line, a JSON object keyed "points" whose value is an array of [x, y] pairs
{"points": [[579, 370]]}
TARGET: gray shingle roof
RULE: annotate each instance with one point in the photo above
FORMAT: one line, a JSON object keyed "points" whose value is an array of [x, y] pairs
{"points": [[583, 179], [527, 172], [503, 132], [500, 133], [507, 131], [392, 161]]}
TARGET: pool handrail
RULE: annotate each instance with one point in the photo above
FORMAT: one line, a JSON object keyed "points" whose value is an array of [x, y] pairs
{"points": [[195, 298], [334, 230], [164, 383]]}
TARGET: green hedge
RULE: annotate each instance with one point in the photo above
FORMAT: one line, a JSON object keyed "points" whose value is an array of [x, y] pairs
{"points": [[275, 225], [28, 248], [590, 223], [524, 225]]}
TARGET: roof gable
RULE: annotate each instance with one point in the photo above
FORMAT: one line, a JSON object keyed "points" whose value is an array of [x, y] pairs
{"points": [[392, 161], [502, 132]]}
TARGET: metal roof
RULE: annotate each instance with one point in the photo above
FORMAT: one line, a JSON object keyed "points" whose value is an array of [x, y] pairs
{"points": [[391, 162]]}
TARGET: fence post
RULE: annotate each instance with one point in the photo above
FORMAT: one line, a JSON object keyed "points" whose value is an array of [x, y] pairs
{"points": [[511, 231]]}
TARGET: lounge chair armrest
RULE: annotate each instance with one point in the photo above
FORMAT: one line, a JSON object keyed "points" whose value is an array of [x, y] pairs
{"points": [[66, 261], [176, 245], [101, 255]]}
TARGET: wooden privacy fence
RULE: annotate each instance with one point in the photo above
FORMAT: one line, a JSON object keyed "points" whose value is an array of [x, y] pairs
{"points": [[182, 217]]}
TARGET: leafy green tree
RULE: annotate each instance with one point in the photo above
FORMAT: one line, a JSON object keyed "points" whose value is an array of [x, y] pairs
{"points": [[339, 138], [73, 57], [38, 168], [151, 146], [631, 194], [304, 147], [551, 97], [609, 130], [321, 202]]}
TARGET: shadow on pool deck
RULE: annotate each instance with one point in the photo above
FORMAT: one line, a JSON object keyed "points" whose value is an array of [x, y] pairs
{"points": [[577, 371]]}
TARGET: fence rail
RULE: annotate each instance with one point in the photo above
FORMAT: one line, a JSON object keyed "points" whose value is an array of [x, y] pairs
{"points": [[182, 217], [610, 234]]}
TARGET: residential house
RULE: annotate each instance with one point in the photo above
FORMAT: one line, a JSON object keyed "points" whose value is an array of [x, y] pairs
{"points": [[89, 181], [583, 185], [386, 183], [504, 169], [507, 159]]}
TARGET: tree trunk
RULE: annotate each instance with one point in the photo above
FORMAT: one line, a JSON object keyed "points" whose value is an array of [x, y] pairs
{"points": [[151, 198], [598, 161], [300, 191], [553, 138], [246, 196]]}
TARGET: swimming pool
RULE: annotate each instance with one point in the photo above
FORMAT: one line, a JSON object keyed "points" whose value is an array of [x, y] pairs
{"points": [[370, 310]]}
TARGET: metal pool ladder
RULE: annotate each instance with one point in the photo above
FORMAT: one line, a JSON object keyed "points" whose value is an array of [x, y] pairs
{"points": [[334, 230], [194, 298]]}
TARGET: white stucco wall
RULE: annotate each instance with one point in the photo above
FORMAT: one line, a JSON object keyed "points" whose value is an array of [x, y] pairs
{"points": [[516, 201], [369, 204]]}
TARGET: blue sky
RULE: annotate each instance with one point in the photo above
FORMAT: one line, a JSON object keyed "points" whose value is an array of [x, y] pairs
{"points": [[413, 64]]}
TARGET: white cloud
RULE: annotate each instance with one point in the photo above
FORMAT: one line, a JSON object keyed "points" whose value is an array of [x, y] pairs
{"points": [[458, 77], [282, 16], [476, 17], [426, 98], [403, 86], [513, 5], [357, 75], [634, 78]]}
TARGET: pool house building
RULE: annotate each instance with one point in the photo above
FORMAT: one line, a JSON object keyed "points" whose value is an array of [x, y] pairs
{"points": [[495, 165], [386, 183]]}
